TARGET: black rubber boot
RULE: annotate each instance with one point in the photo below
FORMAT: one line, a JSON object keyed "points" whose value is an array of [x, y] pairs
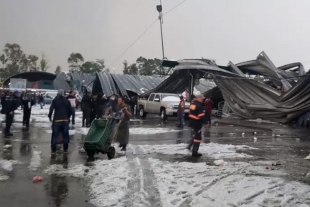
{"points": [[195, 150]]}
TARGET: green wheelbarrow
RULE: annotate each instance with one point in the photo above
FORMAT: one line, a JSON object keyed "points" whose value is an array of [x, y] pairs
{"points": [[99, 138]]}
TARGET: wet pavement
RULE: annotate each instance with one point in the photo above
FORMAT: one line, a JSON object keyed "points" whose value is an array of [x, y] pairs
{"points": [[284, 145]]}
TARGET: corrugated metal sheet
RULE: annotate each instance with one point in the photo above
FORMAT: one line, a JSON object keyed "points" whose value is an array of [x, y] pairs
{"points": [[205, 85], [106, 83], [121, 83], [60, 82], [86, 77], [247, 97]]}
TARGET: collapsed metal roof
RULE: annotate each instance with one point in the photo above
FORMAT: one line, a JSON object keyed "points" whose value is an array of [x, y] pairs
{"points": [[249, 97], [60, 82], [85, 79], [111, 84]]}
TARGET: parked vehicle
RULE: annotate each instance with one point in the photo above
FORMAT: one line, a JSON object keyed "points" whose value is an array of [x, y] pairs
{"points": [[164, 104], [49, 96]]}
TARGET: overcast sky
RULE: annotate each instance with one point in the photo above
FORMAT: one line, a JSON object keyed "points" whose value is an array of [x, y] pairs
{"points": [[224, 30]]}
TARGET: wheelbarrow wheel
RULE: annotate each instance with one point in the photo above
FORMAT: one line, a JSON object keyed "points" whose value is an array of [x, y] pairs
{"points": [[111, 153], [91, 155]]}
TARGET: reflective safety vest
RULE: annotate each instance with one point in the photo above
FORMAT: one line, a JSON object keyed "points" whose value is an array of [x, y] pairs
{"points": [[196, 114]]}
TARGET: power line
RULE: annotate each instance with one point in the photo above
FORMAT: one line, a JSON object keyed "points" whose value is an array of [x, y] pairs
{"points": [[116, 59], [175, 7]]}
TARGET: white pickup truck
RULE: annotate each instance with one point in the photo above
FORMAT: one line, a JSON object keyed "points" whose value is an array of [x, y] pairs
{"points": [[163, 104]]}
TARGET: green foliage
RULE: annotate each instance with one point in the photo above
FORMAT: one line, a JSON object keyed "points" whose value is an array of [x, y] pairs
{"points": [[144, 66], [14, 61], [44, 63], [92, 67], [130, 69], [75, 61], [58, 70]]}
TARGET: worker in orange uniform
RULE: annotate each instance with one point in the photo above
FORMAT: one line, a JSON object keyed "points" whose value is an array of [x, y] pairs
{"points": [[196, 120]]}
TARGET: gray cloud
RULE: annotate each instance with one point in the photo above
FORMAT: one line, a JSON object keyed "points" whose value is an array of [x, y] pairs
{"points": [[223, 30]]}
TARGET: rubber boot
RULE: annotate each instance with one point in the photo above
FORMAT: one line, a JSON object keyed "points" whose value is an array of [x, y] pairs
{"points": [[190, 144], [195, 150]]}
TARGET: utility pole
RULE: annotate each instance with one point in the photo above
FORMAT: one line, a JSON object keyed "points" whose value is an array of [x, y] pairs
{"points": [[160, 17]]}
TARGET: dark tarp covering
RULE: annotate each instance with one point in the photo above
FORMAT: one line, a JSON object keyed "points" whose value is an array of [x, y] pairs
{"points": [[250, 98]]}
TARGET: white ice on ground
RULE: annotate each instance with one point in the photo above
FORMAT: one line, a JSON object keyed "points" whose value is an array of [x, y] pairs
{"points": [[82, 130], [71, 131], [8, 164], [214, 150], [4, 177], [35, 162], [107, 180], [200, 185], [144, 131]]}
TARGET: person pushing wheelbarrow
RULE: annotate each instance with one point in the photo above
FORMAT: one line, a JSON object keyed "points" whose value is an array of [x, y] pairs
{"points": [[123, 130]]}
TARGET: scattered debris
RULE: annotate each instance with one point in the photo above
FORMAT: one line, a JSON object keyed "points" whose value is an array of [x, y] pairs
{"points": [[220, 162], [81, 150], [267, 168], [8, 146], [4, 177], [37, 179], [276, 164]]}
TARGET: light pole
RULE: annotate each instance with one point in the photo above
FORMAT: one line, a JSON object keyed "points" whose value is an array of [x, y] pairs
{"points": [[160, 17]]}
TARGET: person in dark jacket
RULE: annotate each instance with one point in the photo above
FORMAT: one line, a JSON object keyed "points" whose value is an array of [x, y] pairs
{"points": [[133, 105], [41, 100], [93, 105], [208, 103], [60, 122], [12, 102], [28, 100], [113, 102], [3, 97], [101, 102], [195, 116], [180, 112], [86, 109]]}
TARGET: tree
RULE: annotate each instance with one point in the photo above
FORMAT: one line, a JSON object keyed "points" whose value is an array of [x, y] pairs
{"points": [[90, 67], [130, 69], [58, 70], [44, 63], [126, 67], [148, 66], [13, 53], [32, 61], [14, 61], [75, 62], [100, 62]]}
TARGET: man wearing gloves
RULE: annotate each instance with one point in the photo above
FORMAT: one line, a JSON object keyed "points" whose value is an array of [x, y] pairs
{"points": [[60, 122]]}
